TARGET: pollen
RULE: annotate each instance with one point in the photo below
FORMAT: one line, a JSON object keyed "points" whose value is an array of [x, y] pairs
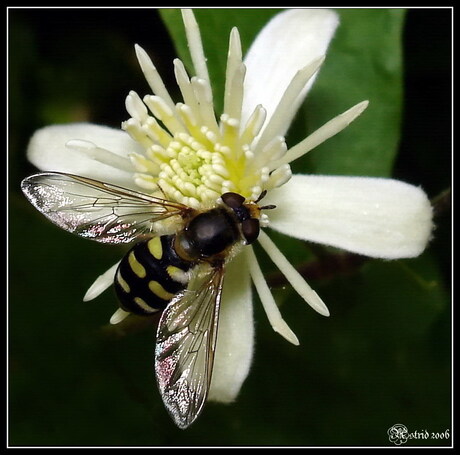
{"points": [[192, 155]]}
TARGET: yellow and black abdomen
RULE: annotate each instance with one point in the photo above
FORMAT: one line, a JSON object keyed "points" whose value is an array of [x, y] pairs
{"points": [[150, 275]]}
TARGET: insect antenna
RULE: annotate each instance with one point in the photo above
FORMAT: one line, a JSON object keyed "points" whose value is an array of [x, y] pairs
{"points": [[261, 196], [265, 207]]}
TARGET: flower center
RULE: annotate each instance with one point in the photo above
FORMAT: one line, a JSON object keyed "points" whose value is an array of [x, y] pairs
{"points": [[194, 171], [191, 157], [195, 164]]}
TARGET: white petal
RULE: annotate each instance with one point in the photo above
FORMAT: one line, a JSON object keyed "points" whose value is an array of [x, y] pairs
{"points": [[289, 42], [47, 151], [235, 339], [101, 283], [375, 217]]}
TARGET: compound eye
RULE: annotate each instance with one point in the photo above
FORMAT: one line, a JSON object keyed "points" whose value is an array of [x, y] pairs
{"points": [[250, 229], [233, 200]]}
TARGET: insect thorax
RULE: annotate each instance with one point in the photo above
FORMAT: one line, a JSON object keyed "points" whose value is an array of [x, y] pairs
{"points": [[207, 235]]}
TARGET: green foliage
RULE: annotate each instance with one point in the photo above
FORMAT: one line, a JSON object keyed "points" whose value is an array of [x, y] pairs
{"points": [[361, 69]]}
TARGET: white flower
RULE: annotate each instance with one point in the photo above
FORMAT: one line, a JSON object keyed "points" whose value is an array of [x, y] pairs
{"points": [[195, 157]]}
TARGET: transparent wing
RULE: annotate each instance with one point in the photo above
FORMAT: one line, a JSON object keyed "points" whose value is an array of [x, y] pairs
{"points": [[186, 342], [96, 210]]}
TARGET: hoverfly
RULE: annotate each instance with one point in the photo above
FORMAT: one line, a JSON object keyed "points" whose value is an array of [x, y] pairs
{"points": [[180, 274]]}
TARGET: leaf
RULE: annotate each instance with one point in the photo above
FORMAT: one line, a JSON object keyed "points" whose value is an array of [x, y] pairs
{"points": [[364, 62], [382, 356]]}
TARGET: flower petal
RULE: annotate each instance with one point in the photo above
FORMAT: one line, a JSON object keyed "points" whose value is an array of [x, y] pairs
{"points": [[48, 151], [289, 42], [375, 217], [235, 339]]}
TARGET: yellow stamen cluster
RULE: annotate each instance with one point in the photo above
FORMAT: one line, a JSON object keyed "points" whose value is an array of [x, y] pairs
{"points": [[190, 156], [195, 164]]}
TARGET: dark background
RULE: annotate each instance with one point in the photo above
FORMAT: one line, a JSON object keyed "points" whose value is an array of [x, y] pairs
{"points": [[75, 382]]}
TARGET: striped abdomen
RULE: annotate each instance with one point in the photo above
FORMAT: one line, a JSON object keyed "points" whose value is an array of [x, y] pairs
{"points": [[150, 275]]}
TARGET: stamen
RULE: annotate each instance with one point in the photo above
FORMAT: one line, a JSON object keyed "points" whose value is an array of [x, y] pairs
{"points": [[135, 107], [264, 174], [273, 151], [187, 116], [207, 194], [195, 45], [186, 89], [163, 112], [192, 155], [203, 94], [214, 179], [279, 177], [142, 164], [266, 297], [221, 170], [118, 316], [135, 130], [293, 276], [234, 96], [255, 191], [224, 151], [264, 220], [153, 130], [328, 130], [253, 125], [151, 75], [226, 120], [102, 283], [227, 186], [276, 125], [146, 181], [191, 142], [249, 154], [210, 135], [104, 156], [157, 153], [188, 189], [234, 63], [229, 131]]}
